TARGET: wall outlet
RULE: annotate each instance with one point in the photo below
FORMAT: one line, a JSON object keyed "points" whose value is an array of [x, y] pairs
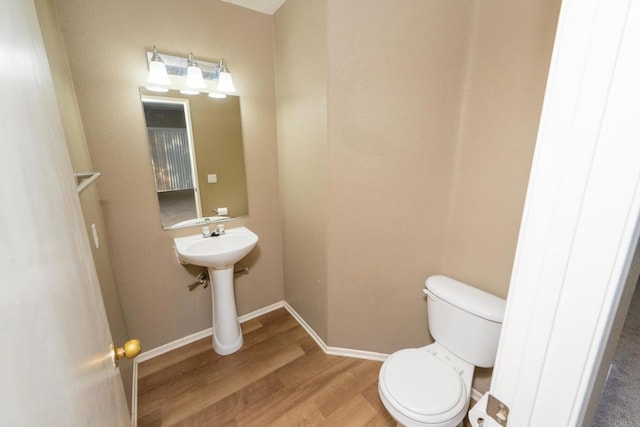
{"points": [[212, 178]]}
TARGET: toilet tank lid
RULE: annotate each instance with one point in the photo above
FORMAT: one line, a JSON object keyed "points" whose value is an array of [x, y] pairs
{"points": [[467, 298]]}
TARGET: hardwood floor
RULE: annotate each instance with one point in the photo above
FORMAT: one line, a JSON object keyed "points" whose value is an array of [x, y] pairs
{"points": [[280, 377]]}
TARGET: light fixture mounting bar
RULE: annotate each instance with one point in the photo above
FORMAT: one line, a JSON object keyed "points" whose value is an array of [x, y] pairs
{"points": [[177, 66]]}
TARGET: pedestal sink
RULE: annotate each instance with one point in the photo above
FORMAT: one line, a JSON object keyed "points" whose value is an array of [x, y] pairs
{"points": [[219, 254]]}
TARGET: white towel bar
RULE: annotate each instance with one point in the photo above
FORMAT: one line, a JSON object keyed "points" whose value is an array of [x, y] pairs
{"points": [[85, 179]]}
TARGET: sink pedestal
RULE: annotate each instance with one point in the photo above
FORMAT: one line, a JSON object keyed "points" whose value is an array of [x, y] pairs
{"points": [[227, 335]]}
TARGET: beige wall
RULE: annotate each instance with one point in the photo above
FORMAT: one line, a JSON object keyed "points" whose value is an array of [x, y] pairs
{"points": [[301, 81], [504, 86], [510, 50], [89, 198], [217, 134], [394, 94], [431, 117], [106, 43]]}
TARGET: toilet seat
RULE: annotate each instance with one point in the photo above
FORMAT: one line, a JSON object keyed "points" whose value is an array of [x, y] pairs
{"points": [[424, 385]]}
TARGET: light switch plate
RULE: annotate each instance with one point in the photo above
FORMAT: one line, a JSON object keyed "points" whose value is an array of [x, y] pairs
{"points": [[212, 178]]}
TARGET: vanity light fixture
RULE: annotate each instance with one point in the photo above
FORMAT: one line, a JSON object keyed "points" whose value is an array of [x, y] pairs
{"points": [[188, 76], [157, 73], [194, 74], [225, 82]]}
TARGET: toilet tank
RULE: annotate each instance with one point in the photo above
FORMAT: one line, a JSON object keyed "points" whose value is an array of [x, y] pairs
{"points": [[464, 320]]}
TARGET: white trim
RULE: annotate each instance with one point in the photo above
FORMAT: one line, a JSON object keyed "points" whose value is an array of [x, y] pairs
{"points": [[357, 354], [348, 352], [180, 342], [578, 231], [306, 327], [259, 312], [268, 7], [158, 99], [334, 351], [475, 395], [134, 394], [165, 348]]}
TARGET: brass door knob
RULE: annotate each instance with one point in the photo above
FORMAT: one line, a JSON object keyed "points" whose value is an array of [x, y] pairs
{"points": [[130, 349]]}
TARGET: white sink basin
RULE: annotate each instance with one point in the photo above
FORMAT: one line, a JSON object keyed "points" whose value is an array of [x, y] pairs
{"points": [[218, 252]]}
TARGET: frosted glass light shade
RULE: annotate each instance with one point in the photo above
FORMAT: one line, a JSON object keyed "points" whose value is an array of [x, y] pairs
{"points": [[187, 91], [217, 95], [225, 83], [194, 78], [159, 89], [157, 71], [194, 74]]}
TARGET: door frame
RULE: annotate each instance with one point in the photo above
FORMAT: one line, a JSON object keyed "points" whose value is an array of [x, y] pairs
{"points": [[579, 230], [157, 99]]}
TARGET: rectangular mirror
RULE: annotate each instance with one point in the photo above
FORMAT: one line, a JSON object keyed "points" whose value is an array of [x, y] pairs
{"points": [[197, 156]]}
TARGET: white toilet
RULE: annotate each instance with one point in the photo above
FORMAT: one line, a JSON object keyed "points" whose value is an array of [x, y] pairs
{"points": [[431, 386]]}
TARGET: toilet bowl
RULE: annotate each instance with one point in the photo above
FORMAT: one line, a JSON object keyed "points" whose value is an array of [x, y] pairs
{"points": [[431, 386], [426, 386]]}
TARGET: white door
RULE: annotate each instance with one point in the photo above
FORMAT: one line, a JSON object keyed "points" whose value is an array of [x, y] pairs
{"points": [[55, 362], [580, 223]]}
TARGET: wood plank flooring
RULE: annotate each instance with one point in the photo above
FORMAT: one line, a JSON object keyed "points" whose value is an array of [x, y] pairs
{"points": [[280, 377]]}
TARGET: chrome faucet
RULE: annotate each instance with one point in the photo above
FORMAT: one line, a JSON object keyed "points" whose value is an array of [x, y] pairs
{"points": [[216, 233], [219, 231]]}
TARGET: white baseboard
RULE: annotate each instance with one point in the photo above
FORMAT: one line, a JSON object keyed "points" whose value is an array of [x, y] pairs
{"points": [[259, 312], [476, 395], [348, 352], [334, 351], [305, 326], [165, 348]]}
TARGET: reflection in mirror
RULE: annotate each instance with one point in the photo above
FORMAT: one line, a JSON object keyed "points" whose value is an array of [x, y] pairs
{"points": [[171, 149], [195, 145]]}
